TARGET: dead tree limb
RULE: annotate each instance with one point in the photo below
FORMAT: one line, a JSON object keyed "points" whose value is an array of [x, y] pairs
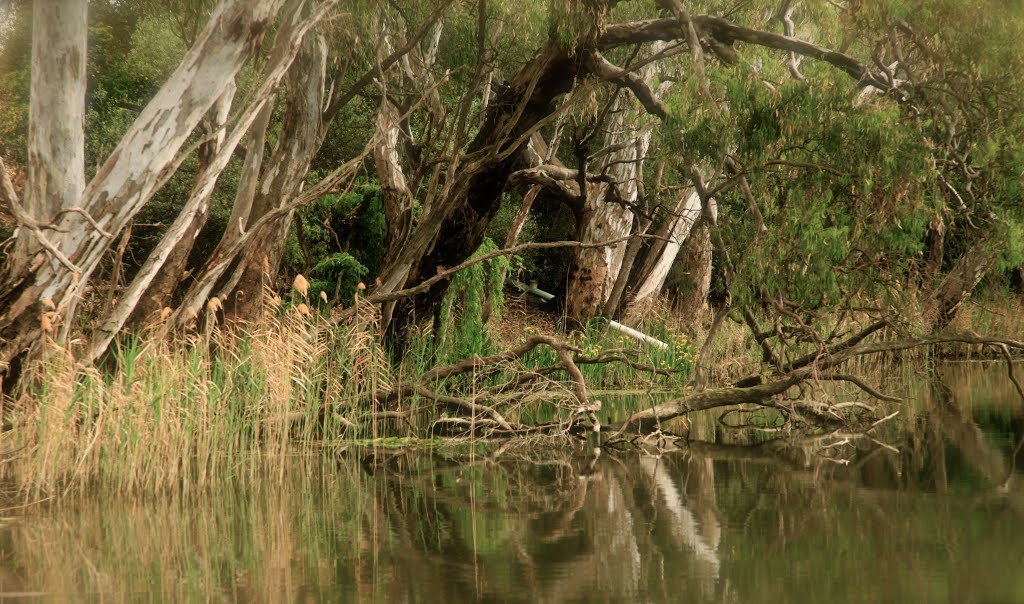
{"points": [[844, 377], [761, 392]]}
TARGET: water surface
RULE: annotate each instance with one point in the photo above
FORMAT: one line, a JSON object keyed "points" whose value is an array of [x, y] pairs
{"points": [[930, 508]]}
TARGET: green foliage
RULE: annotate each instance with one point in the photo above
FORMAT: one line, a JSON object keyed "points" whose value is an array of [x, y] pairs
{"points": [[845, 190], [338, 277], [480, 287], [1011, 255], [344, 238], [15, 54]]}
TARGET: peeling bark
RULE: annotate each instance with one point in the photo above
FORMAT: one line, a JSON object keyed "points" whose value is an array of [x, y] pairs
{"points": [[283, 179], [958, 285], [171, 274], [129, 177], [56, 157], [395, 192], [284, 53], [608, 214], [695, 266]]}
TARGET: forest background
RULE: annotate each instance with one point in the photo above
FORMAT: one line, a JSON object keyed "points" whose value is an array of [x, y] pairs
{"points": [[240, 225]]}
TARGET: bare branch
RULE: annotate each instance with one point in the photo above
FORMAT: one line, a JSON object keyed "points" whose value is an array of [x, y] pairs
{"points": [[448, 273], [603, 68], [27, 222], [843, 377], [786, 16], [727, 32], [689, 30], [749, 196], [336, 104]]}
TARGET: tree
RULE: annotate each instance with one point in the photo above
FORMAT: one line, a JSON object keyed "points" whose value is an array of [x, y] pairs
{"points": [[815, 172], [44, 276]]}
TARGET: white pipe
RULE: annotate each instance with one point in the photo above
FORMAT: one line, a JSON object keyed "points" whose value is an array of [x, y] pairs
{"points": [[629, 331], [543, 295]]}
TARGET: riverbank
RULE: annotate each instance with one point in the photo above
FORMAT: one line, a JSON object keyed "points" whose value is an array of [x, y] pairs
{"points": [[175, 410]]}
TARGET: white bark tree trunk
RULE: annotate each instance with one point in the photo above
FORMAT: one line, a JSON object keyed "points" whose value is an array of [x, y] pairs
{"points": [[211, 163], [653, 275], [395, 192], [284, 177], [254, 120], [56, 157], [595, 270], [138, 166], [695, 264], [56, 136]]}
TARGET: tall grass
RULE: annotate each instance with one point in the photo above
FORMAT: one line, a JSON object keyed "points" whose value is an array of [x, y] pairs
{"points": [[179, 412], [230, 404]]}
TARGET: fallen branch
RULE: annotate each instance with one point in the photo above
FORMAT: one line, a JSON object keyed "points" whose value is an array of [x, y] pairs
{"points": [[843, 377], [760, 393]]}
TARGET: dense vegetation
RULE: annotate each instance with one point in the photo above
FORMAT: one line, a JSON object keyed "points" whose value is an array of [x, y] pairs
{"points": [[236, 225]]}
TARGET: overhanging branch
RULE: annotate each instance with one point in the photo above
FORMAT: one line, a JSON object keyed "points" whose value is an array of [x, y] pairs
{"points": [[726, 32]]}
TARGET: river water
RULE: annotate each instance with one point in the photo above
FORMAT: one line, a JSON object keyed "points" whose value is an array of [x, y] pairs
{"points": [[929, 508]]}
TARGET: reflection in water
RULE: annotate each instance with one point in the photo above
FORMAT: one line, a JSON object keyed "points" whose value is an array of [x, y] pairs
{"points": [[929, 508]]}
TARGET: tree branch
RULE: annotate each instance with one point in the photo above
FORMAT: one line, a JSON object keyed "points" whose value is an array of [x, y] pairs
{"points": [[727, 32], [337, 103], [843, 377], [603, 68], [446, 274]]}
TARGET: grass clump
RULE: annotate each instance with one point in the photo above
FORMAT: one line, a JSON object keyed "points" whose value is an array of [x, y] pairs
{"points": [[177, 413]]}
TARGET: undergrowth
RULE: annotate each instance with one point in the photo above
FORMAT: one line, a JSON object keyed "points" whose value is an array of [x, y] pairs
{"points": [[184, 413], [238, 402]]}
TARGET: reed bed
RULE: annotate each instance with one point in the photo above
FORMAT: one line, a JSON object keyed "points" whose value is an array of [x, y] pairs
{"points": [[233, 403]]}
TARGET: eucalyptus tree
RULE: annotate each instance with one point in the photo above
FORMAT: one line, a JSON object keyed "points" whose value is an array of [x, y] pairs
{"points": [[570, 66], [66, 226]]}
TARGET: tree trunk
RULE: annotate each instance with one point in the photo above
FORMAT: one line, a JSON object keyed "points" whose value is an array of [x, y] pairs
{"points": [[56, 135], [594, 278], [128, 178], [395, 192], [935, 239], [453, 228], [613, 307], [171, 275], [594, 271], [249, 180], [662, 256], [283, 179], [695, 266], [956, 287], [285, 50]]}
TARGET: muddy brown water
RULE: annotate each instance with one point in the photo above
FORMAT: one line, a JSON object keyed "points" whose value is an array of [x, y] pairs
{"points": [[929, 509]]}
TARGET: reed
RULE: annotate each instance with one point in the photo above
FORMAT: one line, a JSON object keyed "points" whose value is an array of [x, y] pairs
{"points": [[231, 403], [174, 413]]}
